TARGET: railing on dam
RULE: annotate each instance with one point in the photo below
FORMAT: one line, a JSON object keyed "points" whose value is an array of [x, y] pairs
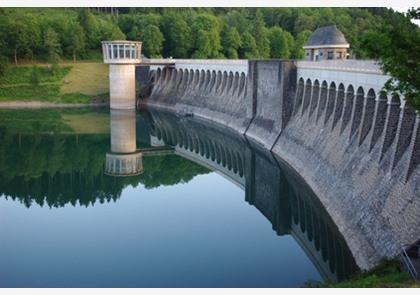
{"points": [[240, 66], [347, 65]]}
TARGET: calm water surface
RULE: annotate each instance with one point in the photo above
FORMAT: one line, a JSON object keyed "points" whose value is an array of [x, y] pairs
{"points": [[92, 199]]}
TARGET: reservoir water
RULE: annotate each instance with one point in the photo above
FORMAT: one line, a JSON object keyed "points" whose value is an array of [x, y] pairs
{"points": [[90, 198]]}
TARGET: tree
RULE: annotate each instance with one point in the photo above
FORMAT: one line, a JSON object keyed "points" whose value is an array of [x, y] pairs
{"points": [[305, 22], [279, 16], [206, 38], [177, 35], [231, 41], [21, 35], [248, 48], [89, 24], [77, 40], [261, 36], [239, 19], [396, 43], [297, 51], [144, 28], [52, 45], [152, 41], [281, 43], [108, 30]]}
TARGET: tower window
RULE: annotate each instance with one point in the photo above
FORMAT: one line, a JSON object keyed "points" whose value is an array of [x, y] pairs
{"points": [[330, 55]]}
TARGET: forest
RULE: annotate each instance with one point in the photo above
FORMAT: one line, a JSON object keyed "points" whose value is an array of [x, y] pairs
{"points": [[75, 33]]}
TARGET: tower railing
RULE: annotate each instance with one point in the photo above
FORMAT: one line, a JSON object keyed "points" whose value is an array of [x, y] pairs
{"points": [[121, 52]]}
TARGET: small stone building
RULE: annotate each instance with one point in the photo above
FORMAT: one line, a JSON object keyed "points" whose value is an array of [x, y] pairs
{"points": [[326, 43]]}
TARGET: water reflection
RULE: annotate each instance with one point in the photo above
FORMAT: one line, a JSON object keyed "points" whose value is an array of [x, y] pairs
{"points": [[84, 169], [124, 158], [39, 167], [277, 192]]}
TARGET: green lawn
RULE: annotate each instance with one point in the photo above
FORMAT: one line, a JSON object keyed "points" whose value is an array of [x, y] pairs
{"points": [[388, 274], [68, 83], [90, 78], [22, 75]]}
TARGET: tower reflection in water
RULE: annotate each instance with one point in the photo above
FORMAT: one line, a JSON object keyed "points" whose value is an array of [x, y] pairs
{"points": [[124, 159]]}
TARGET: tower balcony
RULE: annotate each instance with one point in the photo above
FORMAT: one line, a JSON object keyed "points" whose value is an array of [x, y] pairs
{"points": [[121, 52]]}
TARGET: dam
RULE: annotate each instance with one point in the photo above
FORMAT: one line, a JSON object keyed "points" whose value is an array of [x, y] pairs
{"points": [[328, 121]]}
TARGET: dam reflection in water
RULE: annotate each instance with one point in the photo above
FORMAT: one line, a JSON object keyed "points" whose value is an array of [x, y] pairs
{"points": [[143, 149], [277, 192]]}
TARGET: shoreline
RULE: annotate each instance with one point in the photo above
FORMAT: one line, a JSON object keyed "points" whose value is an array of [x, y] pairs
{"points": [[47, 105]]}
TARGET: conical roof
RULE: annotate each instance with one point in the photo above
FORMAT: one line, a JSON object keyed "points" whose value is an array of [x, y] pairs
{"points": [[328, 35]]}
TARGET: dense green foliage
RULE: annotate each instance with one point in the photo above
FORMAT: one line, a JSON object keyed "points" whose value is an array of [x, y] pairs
{"points": [[261, 36], [231, 42], [177, 35], [53, 33], [281, 42], [396, 43]]}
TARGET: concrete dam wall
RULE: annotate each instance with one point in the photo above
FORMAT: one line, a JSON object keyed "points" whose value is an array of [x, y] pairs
{"points": [[356, 148]]}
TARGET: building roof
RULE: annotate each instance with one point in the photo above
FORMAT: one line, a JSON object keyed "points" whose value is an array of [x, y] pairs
{"points": [[327, 36]]}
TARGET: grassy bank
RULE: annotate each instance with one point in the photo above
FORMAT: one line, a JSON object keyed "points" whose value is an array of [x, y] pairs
{"points": [[66, 83], [388, 274]]}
